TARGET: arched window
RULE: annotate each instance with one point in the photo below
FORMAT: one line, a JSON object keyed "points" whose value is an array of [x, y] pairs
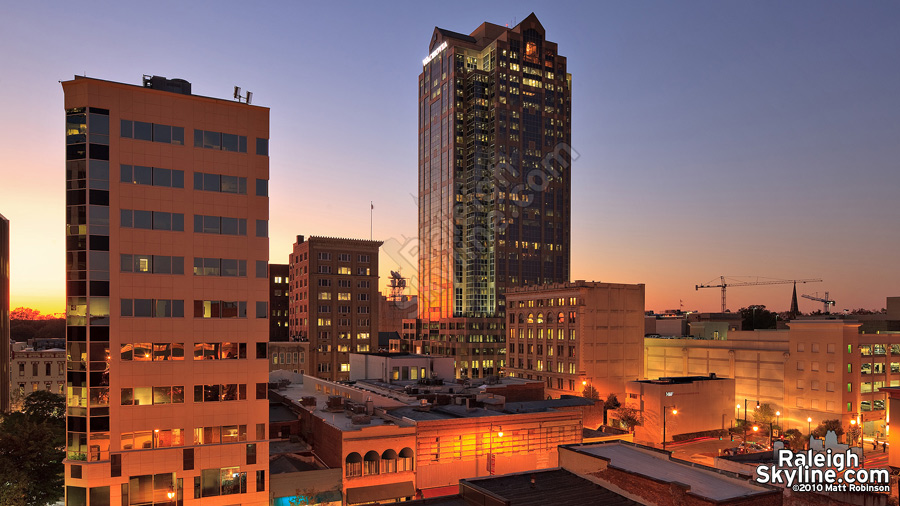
{"points": [[370, 463], [530, 317], [389, 461], [562, 318], [353, 463], [406, 460], [540, 318]]}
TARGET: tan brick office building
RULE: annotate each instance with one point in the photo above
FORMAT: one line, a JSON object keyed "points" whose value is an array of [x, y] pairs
{"points": [[334, 302], [578, 334], [167, 295]]}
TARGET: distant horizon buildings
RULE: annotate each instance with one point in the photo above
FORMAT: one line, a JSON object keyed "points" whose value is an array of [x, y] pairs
{"points": [[494, 135], [167, 295]]}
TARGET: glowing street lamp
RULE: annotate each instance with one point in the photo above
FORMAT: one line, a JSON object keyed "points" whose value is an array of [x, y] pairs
{"points": [[808, 431], [665, 411]]}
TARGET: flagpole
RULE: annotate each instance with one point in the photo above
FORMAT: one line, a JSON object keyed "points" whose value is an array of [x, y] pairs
{"points": [[371, 218]]}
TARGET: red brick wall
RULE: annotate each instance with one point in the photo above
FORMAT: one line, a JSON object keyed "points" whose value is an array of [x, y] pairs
{"points": [[519, 393], [672, 494]]}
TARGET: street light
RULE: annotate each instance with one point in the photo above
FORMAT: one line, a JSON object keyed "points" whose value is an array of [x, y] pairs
{"points": [[665, 411], [745, 417], [808, 431]]}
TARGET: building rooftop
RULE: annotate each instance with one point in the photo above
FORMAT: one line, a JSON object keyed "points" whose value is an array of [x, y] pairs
{"points": [[294, 392], [456, 35], [281, 413], [442, 412], [564, 401], [290, 464], [657, 465], [556, 486]]}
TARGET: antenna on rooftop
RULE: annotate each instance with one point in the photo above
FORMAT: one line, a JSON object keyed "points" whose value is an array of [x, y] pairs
{"points": [[245, 98]]}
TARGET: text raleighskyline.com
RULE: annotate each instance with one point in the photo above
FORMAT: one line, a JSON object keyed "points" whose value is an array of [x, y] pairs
{"points": [[828, 471]]}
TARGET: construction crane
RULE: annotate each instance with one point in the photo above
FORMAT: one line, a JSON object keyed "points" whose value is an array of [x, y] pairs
{"points": [[826, 301], [723, 284]]}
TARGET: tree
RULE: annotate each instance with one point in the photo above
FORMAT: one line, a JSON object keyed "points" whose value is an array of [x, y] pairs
{"points": [[828, 425], [757, 317], [45, 406], [590, 392], [612, 402], [764, 415], [629, 417], [26, 313], [31, 452], [853, 434], [795, 439]]}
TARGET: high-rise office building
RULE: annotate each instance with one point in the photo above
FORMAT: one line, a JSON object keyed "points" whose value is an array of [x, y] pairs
{"points": [[494, 184], [167, 295], [4, 314], [333, 302]]}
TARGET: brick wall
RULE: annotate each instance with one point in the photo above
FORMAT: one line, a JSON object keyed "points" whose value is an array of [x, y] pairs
{"points": [[661, 493]]}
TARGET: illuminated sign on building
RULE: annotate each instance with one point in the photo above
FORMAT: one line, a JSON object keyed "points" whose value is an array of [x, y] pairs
{"points": [[434, 53]]}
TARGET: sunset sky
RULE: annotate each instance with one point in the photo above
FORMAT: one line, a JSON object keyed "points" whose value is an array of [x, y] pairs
{"points": [[714, 138]]}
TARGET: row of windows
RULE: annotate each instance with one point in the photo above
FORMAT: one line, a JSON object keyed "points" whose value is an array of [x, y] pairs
{"points": [[866, 350], [222, 141], [152, 308], [159, 220], [344, 257], [560, 350], [156, 352], [161, 264], [561, 301], [152, 132], [551, 317], [530, 333], [146, 396], [341, 348], [152, 220], [152, 176], [158, 308], [373, 463], [344, 309], [342, 322], [220, 267], [220, 225], [155, 264], [342, 283], [220, 183], [343, 296], [223, 393], [167, 438], [227, 309], [345, 271]]}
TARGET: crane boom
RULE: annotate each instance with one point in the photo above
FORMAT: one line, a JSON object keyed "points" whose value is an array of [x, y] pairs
{"points": [[723, 284], [826, 301]]}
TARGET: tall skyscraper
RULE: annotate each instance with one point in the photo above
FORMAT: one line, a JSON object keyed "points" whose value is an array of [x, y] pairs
{"points": [[167, 295], [333, 302], [494, 184], [4, 314]]}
